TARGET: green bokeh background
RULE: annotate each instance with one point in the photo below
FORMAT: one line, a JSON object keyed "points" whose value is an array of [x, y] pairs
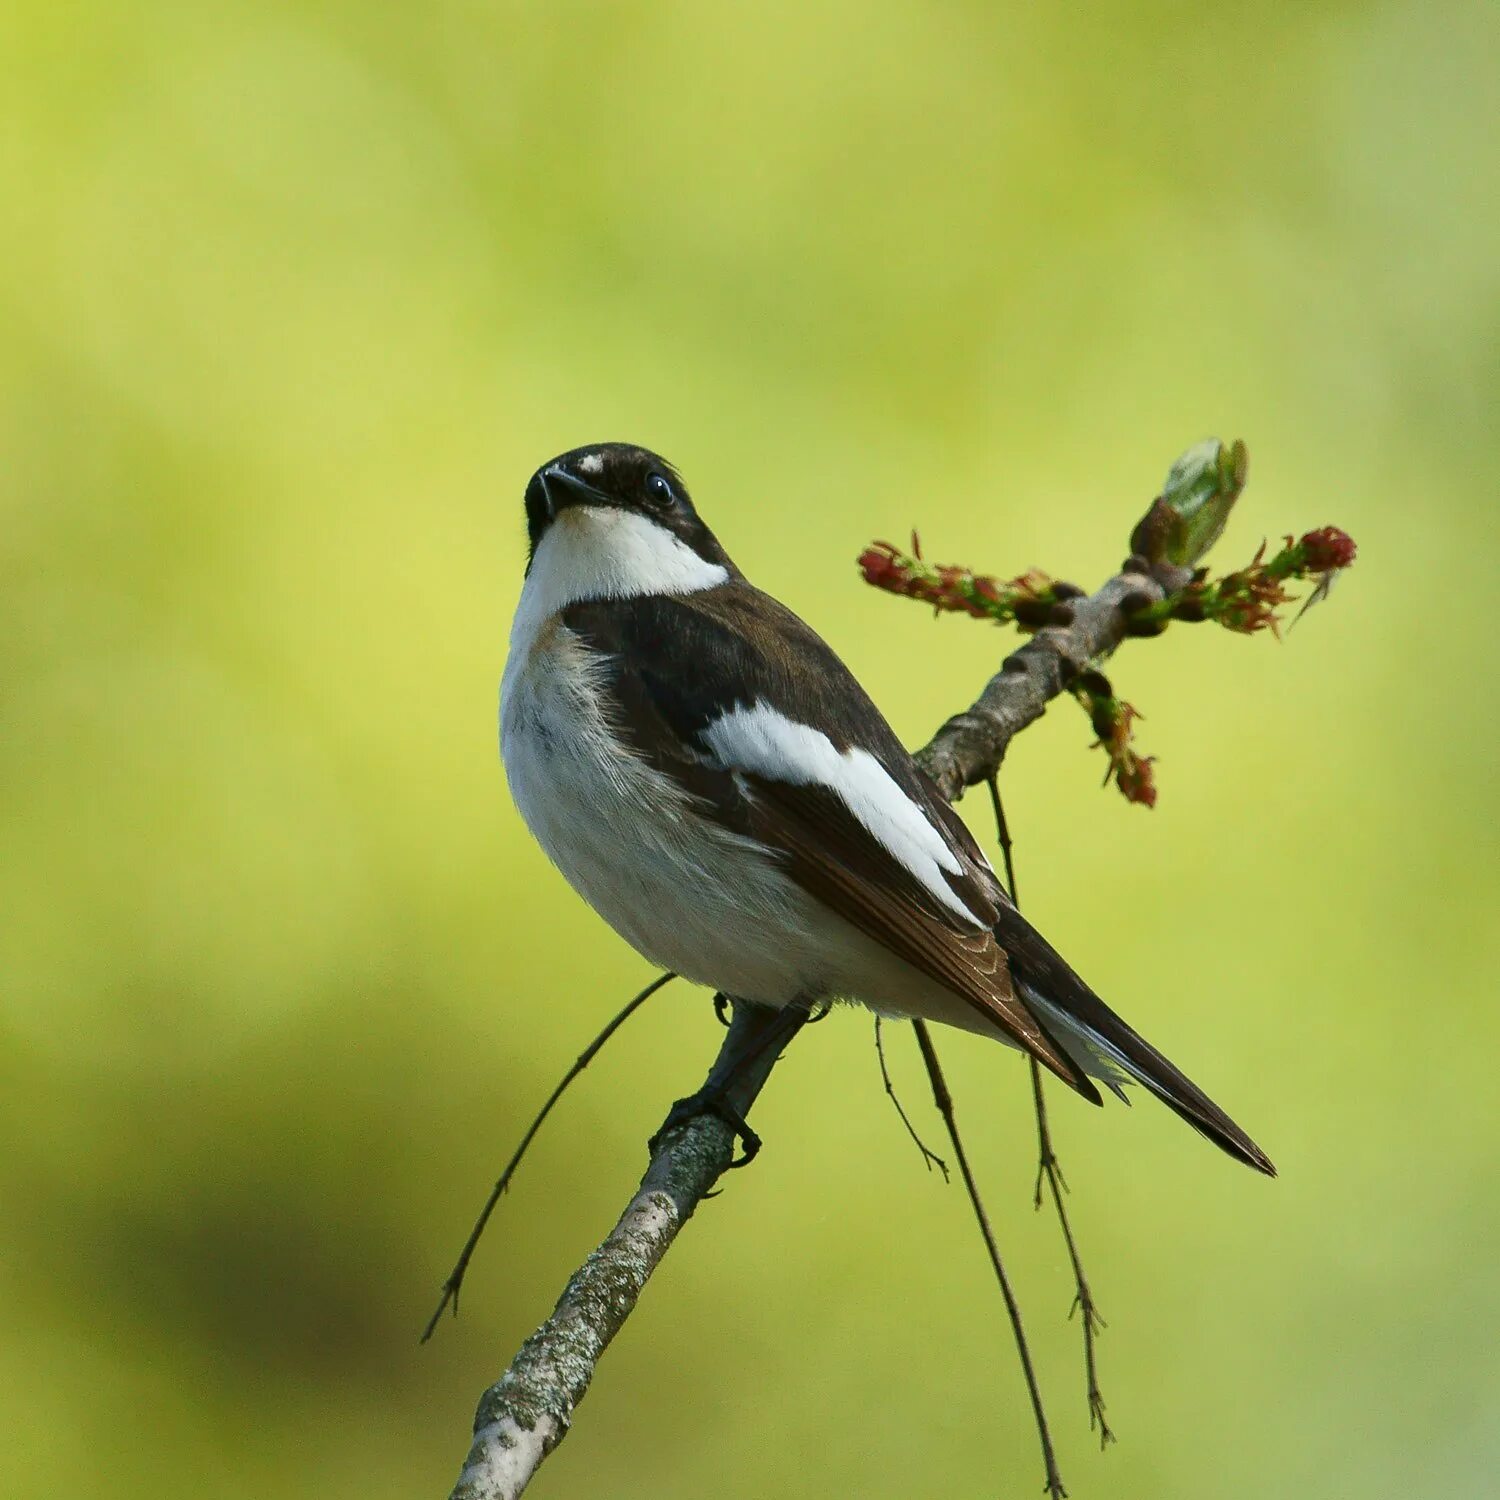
{"points": [[293, 299]]}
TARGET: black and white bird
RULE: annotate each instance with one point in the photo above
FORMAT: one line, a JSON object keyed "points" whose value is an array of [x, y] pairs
{"points": [[714, 782]]}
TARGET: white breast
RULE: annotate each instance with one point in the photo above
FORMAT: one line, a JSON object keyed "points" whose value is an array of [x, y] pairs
{"points": [[688, 894]]}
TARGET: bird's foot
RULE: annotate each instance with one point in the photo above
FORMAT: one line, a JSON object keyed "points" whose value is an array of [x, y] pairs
{"points": [[708, 1101]]}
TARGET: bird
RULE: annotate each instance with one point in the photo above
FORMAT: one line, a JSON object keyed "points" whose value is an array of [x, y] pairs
{"points": [[709, 776]]}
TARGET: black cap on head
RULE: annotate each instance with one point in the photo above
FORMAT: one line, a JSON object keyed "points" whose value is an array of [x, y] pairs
{"points": [[618, 476]]}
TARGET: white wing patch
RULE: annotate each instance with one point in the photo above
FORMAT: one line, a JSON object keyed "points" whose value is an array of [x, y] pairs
{"points": [[767, 743]]}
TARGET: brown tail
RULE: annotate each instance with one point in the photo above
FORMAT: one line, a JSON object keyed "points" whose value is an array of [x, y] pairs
{"points": [[1082, 1023]]}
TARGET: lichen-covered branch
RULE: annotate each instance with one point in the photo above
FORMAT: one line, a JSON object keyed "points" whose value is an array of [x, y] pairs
{"points": [[527, 1412]]}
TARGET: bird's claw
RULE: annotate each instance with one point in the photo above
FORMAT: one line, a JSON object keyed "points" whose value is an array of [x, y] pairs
{"points": [[707, 1102]]}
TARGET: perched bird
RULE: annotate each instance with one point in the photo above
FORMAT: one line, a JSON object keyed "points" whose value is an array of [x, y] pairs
{"points": [[713, 781]]}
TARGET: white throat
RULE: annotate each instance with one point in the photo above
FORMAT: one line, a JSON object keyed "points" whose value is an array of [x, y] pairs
{"points": [[598, 552]]}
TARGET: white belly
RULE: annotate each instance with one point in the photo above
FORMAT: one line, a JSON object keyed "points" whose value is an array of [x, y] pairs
{"points": [[687, 894]]}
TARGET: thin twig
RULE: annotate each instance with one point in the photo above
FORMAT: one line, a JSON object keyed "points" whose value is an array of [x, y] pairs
{"points": [[1047, 1164], [1050, 1170], [944, 1101], [455, 1281], [1002, 833], [930, 1158], [1083, 1300]]}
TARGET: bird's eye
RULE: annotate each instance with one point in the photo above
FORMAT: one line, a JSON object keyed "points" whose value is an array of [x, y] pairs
{"points": [[659, 488]]}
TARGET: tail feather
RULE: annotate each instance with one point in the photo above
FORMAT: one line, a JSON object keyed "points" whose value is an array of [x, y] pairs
{"points": [[1098, 1040]]}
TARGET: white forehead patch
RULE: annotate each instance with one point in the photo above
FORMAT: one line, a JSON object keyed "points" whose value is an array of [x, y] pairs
{"points": [[591, 463]]}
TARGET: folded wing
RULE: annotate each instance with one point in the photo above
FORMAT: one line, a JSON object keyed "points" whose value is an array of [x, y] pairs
{"points": [[707, 696]]}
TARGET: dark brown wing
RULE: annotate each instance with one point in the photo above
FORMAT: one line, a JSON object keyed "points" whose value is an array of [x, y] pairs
{"points": [[831, 855], [675, 664]]}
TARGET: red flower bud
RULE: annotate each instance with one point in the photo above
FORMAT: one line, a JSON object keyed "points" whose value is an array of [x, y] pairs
{"points": [[1136, 781], [1327, 548], [879, 566]]}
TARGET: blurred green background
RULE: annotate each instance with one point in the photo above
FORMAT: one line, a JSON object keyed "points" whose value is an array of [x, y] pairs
{"points": [[294, 298]]}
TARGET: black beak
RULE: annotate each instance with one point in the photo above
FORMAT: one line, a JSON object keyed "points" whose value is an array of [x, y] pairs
{"points": [[564, 488], [552, 490]]}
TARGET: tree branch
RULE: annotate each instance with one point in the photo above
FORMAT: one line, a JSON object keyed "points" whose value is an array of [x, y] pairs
{"points": [[526, 1413], [968, 749]]}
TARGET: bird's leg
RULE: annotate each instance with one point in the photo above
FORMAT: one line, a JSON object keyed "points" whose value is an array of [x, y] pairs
{"points": [[756, 1036]]}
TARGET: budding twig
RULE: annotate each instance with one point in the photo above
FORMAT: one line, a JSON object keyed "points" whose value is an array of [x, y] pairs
{"points": [[1113, 720], [1026, 600], [1249, 599], [1183, 522]]}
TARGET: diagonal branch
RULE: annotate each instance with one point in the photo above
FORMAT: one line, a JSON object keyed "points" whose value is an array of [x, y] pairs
{"points": [[526, 1413]]}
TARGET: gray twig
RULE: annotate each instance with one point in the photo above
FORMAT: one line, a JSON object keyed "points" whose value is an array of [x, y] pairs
{"points": [[930, 1158]]}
